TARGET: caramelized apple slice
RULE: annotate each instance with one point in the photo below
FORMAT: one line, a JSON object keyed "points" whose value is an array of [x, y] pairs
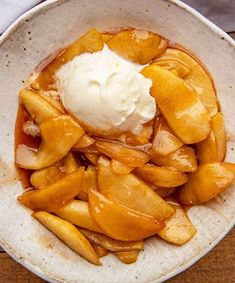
{"points": [[92, 157], [58, 136], [101, 252], [164, 140], [56, 195], [46, 177], [217, 124], [208, 181], [84, 141], [106, 37], [90, 42], [179, 104], [230, 166], [38, 108], [77, 213], [120, 222], [127, 257], [163, 192], [111, 244], [70, 163], [137, 45], [183, 159], [120, 168], [69, 234], [179, 229], [130, 191], [161, 176], [128, 156], [55, 102], [197, 77], [207, 149], [89, 181]]}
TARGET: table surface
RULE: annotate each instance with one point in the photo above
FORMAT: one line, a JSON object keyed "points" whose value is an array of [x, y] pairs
{"points": [[216, 267]]}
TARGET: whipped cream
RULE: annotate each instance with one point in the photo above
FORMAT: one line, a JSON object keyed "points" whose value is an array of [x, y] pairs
{"points": [[106, 92]]}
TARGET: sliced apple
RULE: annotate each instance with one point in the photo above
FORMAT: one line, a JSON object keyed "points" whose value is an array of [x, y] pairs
{"points": [[218, 126], [127, 257], [69, 234], [90, 42], [89, 181], [183, 159], [38, 108], [120, 168], [197, 77], [120, 222], [130, 191], [230, 166], [84, 141], [179, 104], [163, 192], [126, 155], [52, 97], [70, 163], [92, 157], [106, 36], [44, 177], [100, 251], [77, 213], [164, 140], [58, 136], [161, 176], [179, 229], [56, 195], [137, 45], [207, 182], [111, 244]]}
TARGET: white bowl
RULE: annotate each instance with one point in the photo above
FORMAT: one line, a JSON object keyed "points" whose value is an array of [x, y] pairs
{"points": [[54, 24]]}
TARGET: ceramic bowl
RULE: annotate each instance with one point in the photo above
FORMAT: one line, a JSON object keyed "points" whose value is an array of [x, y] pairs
{"points": [[54, 24]]}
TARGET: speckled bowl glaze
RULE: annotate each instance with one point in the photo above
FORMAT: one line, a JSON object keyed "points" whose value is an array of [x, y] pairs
{"points": [[54, 24]]}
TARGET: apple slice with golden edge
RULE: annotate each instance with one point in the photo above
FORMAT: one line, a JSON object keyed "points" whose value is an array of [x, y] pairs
{"points": [[130, 191], [218, 126], [100, 251], [120, 222], [111, 244], [90, 42], [197, 77], [120, 168], [84, 141], [69, 234], [207, 182], [163, 192], [161, 176], [77, 213], [45, 177], [126, 155], [183, 159], [179, 104], [89, 181], [56, 195], [127, 257], [58, 136], [106, 36], [70, 163], [179, 229], [39, 109], [164, 140], [139, 46]]}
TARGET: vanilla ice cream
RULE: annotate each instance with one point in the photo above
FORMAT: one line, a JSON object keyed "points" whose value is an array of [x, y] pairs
{"points": [[106, 92]]}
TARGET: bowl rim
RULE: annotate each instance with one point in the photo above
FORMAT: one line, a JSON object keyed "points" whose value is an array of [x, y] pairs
{"points": [[49, 4]]}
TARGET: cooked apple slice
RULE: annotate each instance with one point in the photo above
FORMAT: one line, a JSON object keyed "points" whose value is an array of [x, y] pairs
{"points": [[120, 222], [52, 97], [90, 42], [164, 192], [92, 157], [84, 141], [100, 251], [70, 163], [130, 191], [183, 159], [39, 109], [197, 77], [137, 45], [56, 195], [77, 213], [164, 140], [179, 229], [69, 234], [111, 244], [126, 155], [161, 176], [127, 257], [179, 104], [218, 126], [230, 166], [58, 136], [89, 181], [44, 177], [208, 181], [106, 36], [120, 168]]}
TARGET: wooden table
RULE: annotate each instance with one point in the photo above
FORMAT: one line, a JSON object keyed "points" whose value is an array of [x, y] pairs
{"points": [[216, 267]]}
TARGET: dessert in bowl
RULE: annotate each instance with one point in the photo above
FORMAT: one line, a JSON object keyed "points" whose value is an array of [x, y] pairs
{"points": [[110, 150]]}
